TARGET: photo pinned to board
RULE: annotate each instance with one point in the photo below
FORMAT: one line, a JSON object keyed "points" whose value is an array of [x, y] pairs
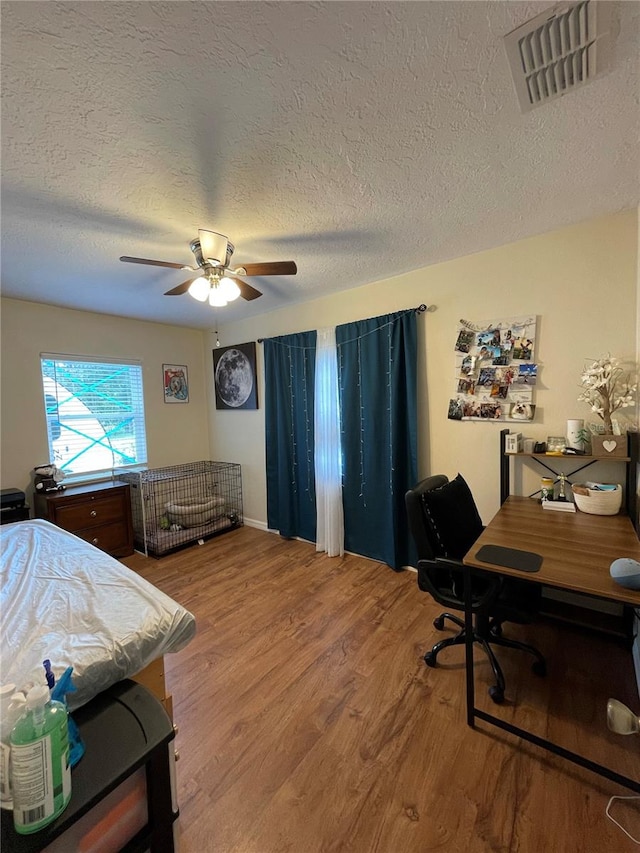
{"points": [[468, 365], [522, 411], [465, 341], [527, 374], [500, 391], [487, 376], [495, 370], [466, 386]]}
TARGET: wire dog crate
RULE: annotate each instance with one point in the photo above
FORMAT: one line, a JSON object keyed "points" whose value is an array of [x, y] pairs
{"points": [[180, 504]]}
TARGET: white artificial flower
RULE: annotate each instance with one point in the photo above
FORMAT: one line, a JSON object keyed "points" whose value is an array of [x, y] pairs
{"points": [[606, 388]]}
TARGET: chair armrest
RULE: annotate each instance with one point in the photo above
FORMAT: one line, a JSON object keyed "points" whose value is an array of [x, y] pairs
{"points": [[486, 586]]}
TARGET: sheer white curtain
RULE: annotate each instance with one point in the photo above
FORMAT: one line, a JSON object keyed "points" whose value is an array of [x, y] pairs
{"points": [[328, 461]]}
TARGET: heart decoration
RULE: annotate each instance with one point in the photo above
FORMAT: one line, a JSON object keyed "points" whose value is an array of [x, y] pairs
{"points": [[609, 446]]}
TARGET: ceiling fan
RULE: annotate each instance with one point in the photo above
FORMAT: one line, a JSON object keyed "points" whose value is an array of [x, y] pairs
{"points": [[216, 280]]}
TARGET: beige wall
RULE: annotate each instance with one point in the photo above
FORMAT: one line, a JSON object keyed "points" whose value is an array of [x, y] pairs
{"points": [[581, 283], [175, 433]]}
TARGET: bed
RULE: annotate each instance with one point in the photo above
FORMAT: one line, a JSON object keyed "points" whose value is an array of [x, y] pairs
{"points": [[65, 600]]}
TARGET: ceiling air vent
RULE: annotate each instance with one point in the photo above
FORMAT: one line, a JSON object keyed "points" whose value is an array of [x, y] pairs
{"points": [[559, 50]]}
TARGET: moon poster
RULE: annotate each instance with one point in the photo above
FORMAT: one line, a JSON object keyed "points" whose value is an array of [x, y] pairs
{"points": [[234, 372]]}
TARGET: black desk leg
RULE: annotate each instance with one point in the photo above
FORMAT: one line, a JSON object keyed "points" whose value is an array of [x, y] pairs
{"points": [[468, 645]]}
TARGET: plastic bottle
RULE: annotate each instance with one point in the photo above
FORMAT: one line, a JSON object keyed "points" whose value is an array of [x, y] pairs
{"points": [[41, 773], [11, 708]]}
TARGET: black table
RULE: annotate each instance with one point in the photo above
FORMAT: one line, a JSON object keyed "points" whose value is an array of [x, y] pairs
{"points": [[123, 729]]}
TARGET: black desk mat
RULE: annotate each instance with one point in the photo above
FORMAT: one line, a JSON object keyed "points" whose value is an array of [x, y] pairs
{"points": [[511, 558]]}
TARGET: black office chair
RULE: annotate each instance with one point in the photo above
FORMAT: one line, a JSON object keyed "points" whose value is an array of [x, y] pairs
{"points": [[444, 522]]}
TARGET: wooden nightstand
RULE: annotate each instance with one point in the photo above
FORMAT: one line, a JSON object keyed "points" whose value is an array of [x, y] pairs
{"points": [[99, 513]]}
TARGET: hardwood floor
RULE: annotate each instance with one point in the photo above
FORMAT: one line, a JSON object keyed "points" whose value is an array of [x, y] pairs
{"points": [[309, 722]]}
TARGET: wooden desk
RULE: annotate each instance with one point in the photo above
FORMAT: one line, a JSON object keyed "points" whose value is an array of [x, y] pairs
{"points": [[577, 551]]}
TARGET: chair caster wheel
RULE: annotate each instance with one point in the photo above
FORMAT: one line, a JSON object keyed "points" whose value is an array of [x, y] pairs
{"points": [[539, 667], [430, 659], [438, 623], [496, 630], [496, 694]]}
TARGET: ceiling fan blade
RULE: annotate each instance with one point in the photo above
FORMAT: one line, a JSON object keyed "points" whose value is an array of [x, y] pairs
{"points": [[246, 291], [270, 268], [169, 264], [181, 288]]}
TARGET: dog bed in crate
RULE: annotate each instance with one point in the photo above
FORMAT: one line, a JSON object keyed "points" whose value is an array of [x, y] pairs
{"points": [[193, 512]]}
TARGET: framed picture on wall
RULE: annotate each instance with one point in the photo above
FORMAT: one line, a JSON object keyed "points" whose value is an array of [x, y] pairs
{"points": [[234, 376], [176, 383]]}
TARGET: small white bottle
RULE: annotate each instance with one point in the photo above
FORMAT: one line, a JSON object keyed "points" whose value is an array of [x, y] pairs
{"points": [[40, 769], [11, 707]]}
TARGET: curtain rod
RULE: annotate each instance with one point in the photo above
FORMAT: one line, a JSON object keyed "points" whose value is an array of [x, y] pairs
{"points": [[419, 310]]}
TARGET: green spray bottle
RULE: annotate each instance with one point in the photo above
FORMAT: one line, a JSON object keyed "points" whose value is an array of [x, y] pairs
{"points": [[40, 769]]}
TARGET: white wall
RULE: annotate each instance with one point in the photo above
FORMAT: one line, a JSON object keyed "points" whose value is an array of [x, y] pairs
{"points": [[175, 433], [581, 283]]}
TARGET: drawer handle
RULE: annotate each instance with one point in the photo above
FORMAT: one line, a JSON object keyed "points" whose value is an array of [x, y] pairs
{"points": [[94, 541], [93, 513]]}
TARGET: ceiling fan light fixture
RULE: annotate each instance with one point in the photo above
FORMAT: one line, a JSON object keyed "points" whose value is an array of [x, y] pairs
{"points": [[621, 719], [229, 289], [199, 289], [216, 297], [213, 247], [215, 277]]}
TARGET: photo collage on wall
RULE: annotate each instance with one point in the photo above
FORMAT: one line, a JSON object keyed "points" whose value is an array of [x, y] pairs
{"points": [[495, 371]]}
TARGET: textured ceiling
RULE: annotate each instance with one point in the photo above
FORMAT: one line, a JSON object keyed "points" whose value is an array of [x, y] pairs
{"points": [[361, 140]]}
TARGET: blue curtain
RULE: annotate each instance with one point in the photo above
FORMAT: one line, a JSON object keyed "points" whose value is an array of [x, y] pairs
{"points": [[377, 378], [289, 362]]}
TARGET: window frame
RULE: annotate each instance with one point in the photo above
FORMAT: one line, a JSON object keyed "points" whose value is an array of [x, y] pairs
{"points": [[55, 392]]}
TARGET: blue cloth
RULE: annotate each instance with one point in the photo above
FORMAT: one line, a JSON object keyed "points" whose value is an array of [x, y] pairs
{"points": [[59, 693], [290, 369], [377, 371]]}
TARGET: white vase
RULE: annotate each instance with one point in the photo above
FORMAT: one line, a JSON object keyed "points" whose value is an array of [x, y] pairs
{"points": [[574, 428]]}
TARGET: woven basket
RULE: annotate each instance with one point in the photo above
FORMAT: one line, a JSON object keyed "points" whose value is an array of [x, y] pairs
{"points": [[597, 502]]}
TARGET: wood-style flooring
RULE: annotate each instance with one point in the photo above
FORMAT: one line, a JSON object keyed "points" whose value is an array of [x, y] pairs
{"points": [[309, 722]]}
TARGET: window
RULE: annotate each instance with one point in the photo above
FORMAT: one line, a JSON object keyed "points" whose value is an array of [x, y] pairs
{"points": [[95, 414]]}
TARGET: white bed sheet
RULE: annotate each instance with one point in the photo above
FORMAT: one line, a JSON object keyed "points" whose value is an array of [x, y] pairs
{"points": [[65, 600]]}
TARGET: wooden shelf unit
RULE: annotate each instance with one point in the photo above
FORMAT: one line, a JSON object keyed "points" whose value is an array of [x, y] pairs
{"points": [[573, 613], [588, 456], [545, 460]]}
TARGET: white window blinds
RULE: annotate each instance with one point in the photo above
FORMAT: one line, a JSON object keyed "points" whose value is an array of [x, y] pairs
{"points": [[95, 414]]}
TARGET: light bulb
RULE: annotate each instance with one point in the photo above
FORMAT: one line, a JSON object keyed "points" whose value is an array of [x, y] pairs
{"points": [[621, 719], [214, 246], [199, 289], [229, 288], [216, 297]]}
